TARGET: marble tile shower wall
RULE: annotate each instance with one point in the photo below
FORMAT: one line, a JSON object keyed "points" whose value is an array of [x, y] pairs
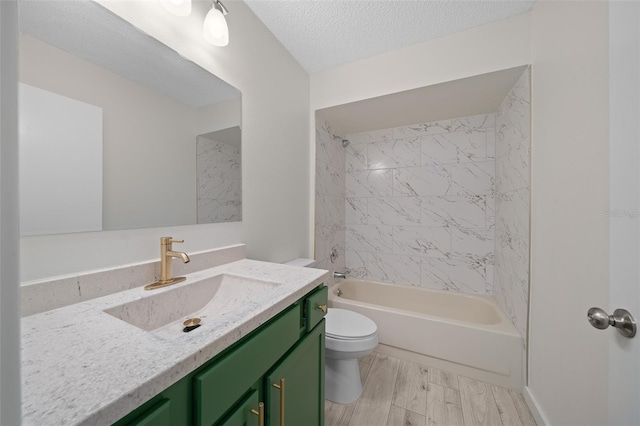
{"points": [[219, 181], [330, 187], [419, 206], [513, 153]]}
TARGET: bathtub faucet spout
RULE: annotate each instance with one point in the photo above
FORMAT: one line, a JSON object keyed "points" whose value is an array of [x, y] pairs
{"points": [[339, 275]]}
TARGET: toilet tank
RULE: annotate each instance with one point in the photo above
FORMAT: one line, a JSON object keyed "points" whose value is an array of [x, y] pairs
{"points": [[301, 261]]}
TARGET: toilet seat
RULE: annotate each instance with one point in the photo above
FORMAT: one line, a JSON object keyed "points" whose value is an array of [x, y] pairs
{"points": [[342, 324]]}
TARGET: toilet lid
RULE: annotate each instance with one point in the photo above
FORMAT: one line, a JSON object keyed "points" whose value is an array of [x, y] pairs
{"points": [[344, 324]]}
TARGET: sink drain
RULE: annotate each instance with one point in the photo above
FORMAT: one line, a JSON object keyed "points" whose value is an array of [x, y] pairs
{"points": [[191, 324]]}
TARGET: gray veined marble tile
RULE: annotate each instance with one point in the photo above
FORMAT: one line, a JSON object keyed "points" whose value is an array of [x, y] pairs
{"points": [[229, 211], [475, 122], [356, 264], [459, 275], [355, 211], [330, 211], [356, 157], [431, 128], [513, 169], [214, 211], [394, 268], [422, 241], [394, 211], [512, 295], [222, 186], [473, 178], [322, 139], [326, 240], [421, 181], [207, 148], [394, 153], [454, 147], [489, 278], [512, 255], [491, 143], [370, 238], [512, 212], [472, 243], [514, 119], [459, 211], [369, 183], [490, 203], [329, 149], [369, 137], [329, 181]]}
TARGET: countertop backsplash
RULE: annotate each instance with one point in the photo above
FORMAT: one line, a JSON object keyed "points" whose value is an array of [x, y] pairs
{"points": [[52, 293]]}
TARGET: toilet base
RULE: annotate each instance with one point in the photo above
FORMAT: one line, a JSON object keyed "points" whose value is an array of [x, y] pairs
{"points": [[342, 380]]}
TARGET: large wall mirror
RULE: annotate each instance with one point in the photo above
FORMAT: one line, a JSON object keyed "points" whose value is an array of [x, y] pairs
{"points": [[118, 131]]}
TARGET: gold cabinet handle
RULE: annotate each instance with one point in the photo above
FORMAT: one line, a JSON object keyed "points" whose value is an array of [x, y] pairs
{"points": [[260, 413], [323, 308], [281, 387]]}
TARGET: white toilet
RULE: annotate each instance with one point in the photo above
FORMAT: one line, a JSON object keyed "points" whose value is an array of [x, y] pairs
{"points": [[348, 336]]}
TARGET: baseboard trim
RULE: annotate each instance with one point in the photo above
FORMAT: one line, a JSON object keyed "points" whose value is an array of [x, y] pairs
{"points": [[534, 407]]}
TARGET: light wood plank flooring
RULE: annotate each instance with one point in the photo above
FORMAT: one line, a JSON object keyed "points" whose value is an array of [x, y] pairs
{"points": [[402, 393]]}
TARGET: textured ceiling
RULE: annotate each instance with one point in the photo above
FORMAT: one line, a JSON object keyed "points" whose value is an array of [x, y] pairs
{"points": [[323, 34], [481, 94], [89, 31]]}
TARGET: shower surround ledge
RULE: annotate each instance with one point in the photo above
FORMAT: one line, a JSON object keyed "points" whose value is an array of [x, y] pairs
{"points": [[81, 365]]}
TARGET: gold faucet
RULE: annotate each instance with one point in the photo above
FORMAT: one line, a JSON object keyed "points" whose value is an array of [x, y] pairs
{"points": [[166, 253]]}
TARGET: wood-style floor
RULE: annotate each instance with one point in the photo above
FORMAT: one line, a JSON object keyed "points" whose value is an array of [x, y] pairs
{"points": [[402, 393]]}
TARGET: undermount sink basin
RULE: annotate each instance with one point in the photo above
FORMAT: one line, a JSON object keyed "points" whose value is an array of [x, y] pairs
{"points": [[165, 311]]}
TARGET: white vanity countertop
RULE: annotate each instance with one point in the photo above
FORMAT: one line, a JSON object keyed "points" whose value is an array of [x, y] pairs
{"points": [[81, 365]]}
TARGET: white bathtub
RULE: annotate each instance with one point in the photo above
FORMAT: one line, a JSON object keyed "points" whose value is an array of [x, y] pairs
{"points": [[469, 334]]}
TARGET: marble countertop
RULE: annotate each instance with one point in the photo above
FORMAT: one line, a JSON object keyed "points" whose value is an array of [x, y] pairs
{"points": [[81, 365]]}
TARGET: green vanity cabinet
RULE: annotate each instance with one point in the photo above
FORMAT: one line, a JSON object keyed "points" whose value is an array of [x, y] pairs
{"points": [[247, 413], [229, 389], [158, 415], [295, 387], [218, 387]]}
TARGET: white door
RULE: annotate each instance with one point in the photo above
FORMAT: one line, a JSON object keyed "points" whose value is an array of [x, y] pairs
{"points": [[624, 204]]}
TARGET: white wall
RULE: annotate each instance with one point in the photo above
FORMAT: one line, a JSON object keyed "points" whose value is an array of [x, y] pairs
{"points": [[275, 137], [10, 397], [497, 46], [569, 197], [492, 47]]}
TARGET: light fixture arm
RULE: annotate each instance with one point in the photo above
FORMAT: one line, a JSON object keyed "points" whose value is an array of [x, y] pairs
{"points": [[218, 5]]}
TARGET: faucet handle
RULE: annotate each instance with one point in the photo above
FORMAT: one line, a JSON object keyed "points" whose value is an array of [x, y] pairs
{"points": [[169, 240]]}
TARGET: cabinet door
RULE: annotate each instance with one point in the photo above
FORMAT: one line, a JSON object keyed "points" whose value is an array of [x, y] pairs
{"points": [[295, 387], [247, 413], [219, 386]]}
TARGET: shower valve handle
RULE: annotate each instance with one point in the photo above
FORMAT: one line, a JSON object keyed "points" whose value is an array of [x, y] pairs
{"points": [[621, 319]]}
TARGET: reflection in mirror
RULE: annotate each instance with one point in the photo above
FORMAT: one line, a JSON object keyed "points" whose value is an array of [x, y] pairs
{"points": [[219, 178], [111, 123]]}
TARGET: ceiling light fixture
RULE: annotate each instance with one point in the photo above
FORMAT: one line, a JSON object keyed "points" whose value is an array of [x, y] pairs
{"points": [[215, 29], [178, 7]]}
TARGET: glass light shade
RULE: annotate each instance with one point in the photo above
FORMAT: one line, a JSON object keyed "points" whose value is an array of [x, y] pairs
{"points": [[215, 29], [178, 7]]}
